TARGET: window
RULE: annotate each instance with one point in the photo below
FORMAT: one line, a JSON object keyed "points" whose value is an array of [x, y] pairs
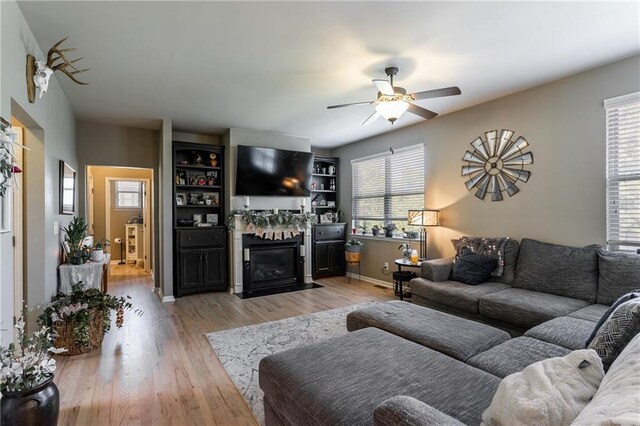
{"points": [[623, 172], [386, 186], [128, 194]]}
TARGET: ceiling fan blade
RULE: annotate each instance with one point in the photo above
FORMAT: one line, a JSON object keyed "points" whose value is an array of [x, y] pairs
{"points": [[346, 105], [436, 93], [384, 87], [373, 117], [422, 112]]}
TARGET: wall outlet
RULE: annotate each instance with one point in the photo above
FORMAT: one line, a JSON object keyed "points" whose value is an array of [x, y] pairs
{"points": [[386, 265]]}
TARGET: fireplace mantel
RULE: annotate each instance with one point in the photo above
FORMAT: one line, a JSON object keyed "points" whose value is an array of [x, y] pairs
{"points": [[237, 255]]}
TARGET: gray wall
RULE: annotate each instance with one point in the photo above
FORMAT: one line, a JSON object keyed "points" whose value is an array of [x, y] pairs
{"points": [[563, 202], [52, 125], [107, 145]]}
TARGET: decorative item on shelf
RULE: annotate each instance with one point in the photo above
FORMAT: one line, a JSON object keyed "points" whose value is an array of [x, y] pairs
{"points": [[247, 202], [212, 218], [331, 203], [39, 72], [75, 234], [389, 228], [352, 250], [185, 222], [201, 181], [183, 162], [423, 218], [364, 229], [211, 198], [496, 164], [195, 199], [213, 159], [29, 396], [81, 318], [313, 185], [197, 219], [332, 169], [375, 229], [192, 180], [196, 157], [181, 199], [326, 217], [181, 177], [406, 251]]}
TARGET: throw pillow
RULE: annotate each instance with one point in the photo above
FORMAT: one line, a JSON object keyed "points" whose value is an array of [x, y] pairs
{"points": [[624, 298], [548, 392], [470, 268], [619, 274], [617, 332]]}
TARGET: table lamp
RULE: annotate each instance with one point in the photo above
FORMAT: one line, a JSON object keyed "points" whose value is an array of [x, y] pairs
{"points": [[423, 218]]}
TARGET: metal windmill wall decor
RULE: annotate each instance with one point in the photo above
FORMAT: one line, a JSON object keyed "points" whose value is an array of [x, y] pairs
{"points": [[496, 164]]}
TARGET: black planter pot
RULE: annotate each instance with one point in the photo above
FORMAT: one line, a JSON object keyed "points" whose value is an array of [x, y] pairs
{"points": [[375, 232], [388, 234], [34, 407]]}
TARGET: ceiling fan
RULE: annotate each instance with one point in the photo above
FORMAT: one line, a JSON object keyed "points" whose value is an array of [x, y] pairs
{"points": [[392, 101]]}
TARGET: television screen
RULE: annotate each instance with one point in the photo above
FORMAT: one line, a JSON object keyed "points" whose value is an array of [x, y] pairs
{"points": [[269, 171]]}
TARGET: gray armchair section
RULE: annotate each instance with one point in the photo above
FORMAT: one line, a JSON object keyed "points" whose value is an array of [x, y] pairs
{"points": [[405, 410], [437, 270]]}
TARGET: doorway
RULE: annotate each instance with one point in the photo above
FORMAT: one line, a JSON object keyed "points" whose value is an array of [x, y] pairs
{"points": [[120, 210]]}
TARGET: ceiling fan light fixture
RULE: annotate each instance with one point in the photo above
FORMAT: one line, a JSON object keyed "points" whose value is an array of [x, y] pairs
{"points": [[392, 110]]}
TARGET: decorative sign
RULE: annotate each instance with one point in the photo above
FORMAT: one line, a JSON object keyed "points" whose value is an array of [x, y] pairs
{"points": [[496, 164]]}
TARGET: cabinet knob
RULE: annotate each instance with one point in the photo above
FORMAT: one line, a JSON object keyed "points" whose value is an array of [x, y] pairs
{"points": [[188, 238]]}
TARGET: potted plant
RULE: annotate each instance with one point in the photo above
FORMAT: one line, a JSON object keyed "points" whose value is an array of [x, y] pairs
{"points": [[81, 318], [389, 228], [406, 251], [352, 250], [375, 229], [29, 395], [364, 229], [99, 249], [76, 232]]}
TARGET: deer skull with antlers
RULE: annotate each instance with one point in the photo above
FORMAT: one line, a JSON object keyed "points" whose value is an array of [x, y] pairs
{"points": [[39, 72]]}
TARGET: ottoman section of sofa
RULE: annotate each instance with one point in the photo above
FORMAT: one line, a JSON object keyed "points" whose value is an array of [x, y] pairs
{"points": [[454, 336], [341, 381]]}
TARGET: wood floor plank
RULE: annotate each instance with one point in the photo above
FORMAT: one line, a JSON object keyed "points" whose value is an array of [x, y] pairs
{"points": [[159, 369]]}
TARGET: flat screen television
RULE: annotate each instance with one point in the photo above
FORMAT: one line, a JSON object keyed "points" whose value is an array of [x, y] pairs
{"points": [[269, 171]]}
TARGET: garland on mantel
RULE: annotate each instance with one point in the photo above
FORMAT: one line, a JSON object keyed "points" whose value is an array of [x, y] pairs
{"points": [[262, 223]]}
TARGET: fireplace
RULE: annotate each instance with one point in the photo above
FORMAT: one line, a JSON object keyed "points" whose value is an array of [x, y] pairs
{"points": [[272, 264]]}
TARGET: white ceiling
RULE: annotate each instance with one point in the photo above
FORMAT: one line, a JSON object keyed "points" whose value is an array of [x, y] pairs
{"points": [[277, 65]]}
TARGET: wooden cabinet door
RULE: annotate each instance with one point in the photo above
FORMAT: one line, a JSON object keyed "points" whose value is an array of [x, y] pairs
{"points": [[338, 265], [322, 258], [190, 268], [214, 269]]}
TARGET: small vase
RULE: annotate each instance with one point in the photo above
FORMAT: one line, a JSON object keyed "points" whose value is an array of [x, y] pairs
{"points": [[97, 255], [38, 406]]}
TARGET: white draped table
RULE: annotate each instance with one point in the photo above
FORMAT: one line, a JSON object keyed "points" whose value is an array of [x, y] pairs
{"points": [[92, 274]]}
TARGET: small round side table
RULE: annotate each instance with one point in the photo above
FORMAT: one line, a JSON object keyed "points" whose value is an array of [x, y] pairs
{"points": [[401, 277]]}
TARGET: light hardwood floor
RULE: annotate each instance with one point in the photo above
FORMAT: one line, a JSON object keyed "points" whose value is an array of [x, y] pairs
{"points": [[159, 369]]}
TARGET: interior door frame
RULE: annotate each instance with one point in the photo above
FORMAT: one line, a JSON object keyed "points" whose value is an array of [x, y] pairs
{"points": [[90, 201], [147, 206], [17, 231]]}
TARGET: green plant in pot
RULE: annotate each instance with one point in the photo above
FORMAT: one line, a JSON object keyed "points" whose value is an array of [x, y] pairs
{"points": [[389, 228], [352, 250], [375, 230], [364, 229], [29, 395], [75, 234], [99, 249]]}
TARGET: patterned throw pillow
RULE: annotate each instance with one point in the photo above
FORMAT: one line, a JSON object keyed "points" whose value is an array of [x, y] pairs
{"points": [[617, 332]]}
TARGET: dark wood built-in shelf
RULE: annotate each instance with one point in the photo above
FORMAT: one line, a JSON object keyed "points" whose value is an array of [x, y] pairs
{"points": [[197, 206], [198, 186], [197, 167]]}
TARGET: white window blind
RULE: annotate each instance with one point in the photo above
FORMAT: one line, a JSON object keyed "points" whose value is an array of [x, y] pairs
{"points": [[128, 194], [386, 186], [623, 172]]}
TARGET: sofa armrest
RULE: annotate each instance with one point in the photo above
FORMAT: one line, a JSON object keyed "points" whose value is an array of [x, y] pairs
{"points": [[437, 269], [405, 410]]}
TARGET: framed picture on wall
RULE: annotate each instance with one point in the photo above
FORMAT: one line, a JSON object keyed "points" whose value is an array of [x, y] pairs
{"points": [[67, 189]]}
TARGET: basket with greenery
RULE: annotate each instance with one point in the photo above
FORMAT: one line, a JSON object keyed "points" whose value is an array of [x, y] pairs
{"points": [[81, 318]]}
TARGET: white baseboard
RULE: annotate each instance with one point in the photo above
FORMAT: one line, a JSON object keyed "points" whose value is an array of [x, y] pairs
{"points": [[168, 299], [370, 280]]}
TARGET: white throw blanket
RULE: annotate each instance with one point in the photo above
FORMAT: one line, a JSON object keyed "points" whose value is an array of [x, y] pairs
{"points": [[549, 392]]}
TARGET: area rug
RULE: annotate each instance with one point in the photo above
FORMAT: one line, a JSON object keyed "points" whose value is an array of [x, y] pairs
{"points": [[241, 349]]}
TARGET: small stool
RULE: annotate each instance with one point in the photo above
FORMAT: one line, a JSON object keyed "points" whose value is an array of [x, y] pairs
{"points": [[399, 278], [353, 266]]}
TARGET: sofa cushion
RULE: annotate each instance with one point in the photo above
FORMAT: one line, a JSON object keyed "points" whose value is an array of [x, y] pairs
{"points": [[454, 336], [619, 274], [342, 380], [590, 313], [560, 270], [511, 249], [570, 333], [404, 410], [455, 294], [471, 268], [527, 308], [617, 331], [549, 392], [436, 269], [514, 355], [617, 401]]}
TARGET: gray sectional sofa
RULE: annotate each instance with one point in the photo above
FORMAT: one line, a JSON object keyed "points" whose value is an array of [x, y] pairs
{"points": [[406, 364]]}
